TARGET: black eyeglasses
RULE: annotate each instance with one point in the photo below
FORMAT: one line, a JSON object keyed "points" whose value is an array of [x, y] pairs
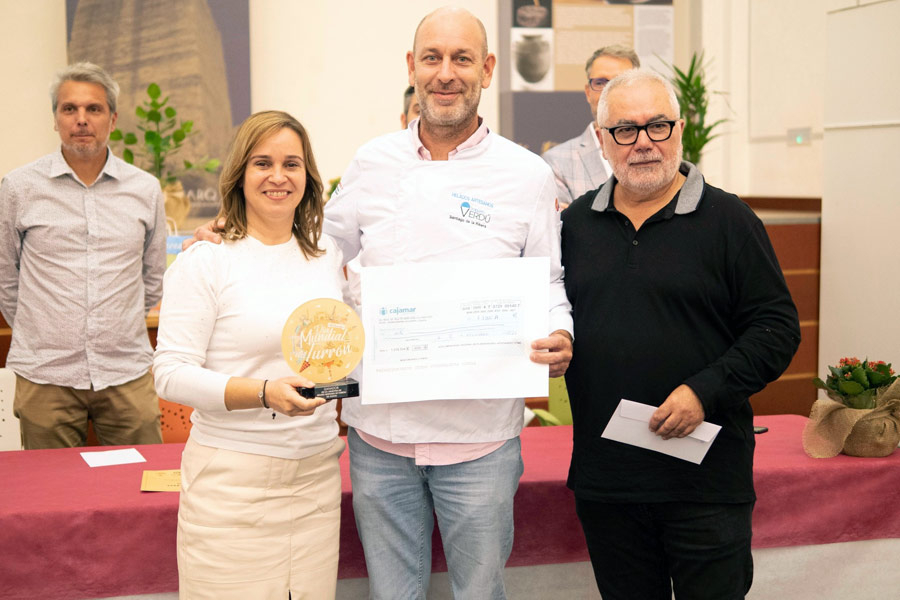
{"points": [[597, 83], [626, 135]]}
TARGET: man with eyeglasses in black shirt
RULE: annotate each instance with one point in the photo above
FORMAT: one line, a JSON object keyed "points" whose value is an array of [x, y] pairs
{"points": [[679, 303]]}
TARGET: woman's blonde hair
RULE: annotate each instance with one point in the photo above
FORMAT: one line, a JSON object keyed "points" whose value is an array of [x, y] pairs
{"points": [[308, 216]]}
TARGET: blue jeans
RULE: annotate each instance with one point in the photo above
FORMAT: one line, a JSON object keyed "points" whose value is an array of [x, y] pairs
{"points": [[644, 550], [395, 502]]}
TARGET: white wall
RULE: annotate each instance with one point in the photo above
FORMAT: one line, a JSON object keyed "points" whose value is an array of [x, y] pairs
{"points": [[766, 56], [786, 87], [340, 67], [831, 66], [32, 49], [722, 34], [337, 65], [860, 286]]}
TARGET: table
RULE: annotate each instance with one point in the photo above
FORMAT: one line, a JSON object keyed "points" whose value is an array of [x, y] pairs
{"points": [[69, 531]]}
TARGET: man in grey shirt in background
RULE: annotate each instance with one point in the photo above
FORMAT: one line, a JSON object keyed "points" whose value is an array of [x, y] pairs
{"points": [[82, 255], [578, 164]]}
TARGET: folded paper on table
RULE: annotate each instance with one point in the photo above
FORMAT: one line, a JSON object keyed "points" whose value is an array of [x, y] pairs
{"points": [[630, 424], [168, 480], [107, 458]]}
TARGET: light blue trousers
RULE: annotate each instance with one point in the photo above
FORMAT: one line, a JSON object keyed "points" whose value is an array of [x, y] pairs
{"points": [[395, 502]]}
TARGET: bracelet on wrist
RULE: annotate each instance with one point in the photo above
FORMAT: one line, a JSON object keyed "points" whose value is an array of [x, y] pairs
{"points": [[262, 394]]}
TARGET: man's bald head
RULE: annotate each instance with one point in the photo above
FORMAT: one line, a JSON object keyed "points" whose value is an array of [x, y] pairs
{"points": [[449, 65], [460, 14]]}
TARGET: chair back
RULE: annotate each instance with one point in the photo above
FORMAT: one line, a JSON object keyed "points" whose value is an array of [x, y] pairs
{"points": [[10, 437], [175, 422]]}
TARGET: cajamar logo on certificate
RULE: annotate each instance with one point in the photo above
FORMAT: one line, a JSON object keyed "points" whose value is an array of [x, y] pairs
{"points": [[323, 340]]}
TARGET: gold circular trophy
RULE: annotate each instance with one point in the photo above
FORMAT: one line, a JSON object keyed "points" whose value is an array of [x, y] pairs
{"points": [[323, 340]]}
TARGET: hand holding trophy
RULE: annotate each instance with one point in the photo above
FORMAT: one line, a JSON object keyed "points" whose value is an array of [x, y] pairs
{"points": [[323, 340]]}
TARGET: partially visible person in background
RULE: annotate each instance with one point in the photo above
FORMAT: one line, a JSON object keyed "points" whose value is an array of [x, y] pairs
{"points": [[410, 107], [82, 255], [578, 164], [259, 514]]}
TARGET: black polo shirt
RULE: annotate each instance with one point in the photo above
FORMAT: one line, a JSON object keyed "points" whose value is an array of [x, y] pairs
{"points": [[695, 297]]}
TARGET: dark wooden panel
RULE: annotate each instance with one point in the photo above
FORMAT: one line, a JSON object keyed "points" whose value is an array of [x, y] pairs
{"points": [[804, 288], [807, 357], [786, 396], [5, 339], [796, 245], [773, 203]]}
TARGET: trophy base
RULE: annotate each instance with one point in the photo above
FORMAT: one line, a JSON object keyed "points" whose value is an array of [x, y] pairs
{"points": [[342, 388]]}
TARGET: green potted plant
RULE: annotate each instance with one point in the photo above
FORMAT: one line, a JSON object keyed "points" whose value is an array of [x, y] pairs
{"points": [[860, 417], [693, 96], [856, 383], [155, 148]]}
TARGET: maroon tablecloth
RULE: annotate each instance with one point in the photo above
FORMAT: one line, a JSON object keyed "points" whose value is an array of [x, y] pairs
{"points": [[803, 500], [70, 531]]}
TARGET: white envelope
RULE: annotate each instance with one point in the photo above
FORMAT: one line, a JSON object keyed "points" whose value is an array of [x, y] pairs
{"points": [[630, 424]]}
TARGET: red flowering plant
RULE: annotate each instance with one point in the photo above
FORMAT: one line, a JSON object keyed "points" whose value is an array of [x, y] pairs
{"points": [[856, 384]]}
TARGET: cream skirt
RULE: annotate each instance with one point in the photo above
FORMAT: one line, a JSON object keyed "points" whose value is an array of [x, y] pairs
{"points": [[253, 527]]}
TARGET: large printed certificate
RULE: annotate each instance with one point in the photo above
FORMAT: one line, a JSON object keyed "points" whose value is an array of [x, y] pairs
{"points": [[453, 330]]}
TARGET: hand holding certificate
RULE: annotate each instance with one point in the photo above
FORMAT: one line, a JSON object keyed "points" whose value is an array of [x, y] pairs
{"points": [[454, 330]]}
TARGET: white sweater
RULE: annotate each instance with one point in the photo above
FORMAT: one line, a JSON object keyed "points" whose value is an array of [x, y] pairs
{"points": [[223, 310]]}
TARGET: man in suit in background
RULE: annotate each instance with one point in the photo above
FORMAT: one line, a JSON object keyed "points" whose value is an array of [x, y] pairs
{"points": [[578, 165]]}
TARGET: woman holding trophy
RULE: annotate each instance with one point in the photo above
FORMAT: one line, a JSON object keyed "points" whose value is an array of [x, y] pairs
{"points": [[259, 513]]}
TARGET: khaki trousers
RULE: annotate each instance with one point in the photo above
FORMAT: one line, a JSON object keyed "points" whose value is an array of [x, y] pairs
{"points": [[53, 416], [255, 527]]}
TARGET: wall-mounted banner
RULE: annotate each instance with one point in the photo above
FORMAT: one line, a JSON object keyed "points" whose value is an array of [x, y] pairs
{"points": [[198, 53]]}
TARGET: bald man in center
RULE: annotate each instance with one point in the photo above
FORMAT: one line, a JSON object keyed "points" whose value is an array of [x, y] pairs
{"points": [[399, 201]]}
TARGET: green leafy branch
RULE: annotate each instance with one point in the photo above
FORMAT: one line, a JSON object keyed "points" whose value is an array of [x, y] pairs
{"points": [[332, 186], [693, 95], [162, 139], [546, 418]]}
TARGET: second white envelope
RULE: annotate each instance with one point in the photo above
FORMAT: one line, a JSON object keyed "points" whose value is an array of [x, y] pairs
{"points": [[630, 424]]}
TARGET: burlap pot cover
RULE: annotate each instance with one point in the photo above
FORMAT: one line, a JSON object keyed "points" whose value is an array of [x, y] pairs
{"points": [[834, 428], [877, 436]]}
